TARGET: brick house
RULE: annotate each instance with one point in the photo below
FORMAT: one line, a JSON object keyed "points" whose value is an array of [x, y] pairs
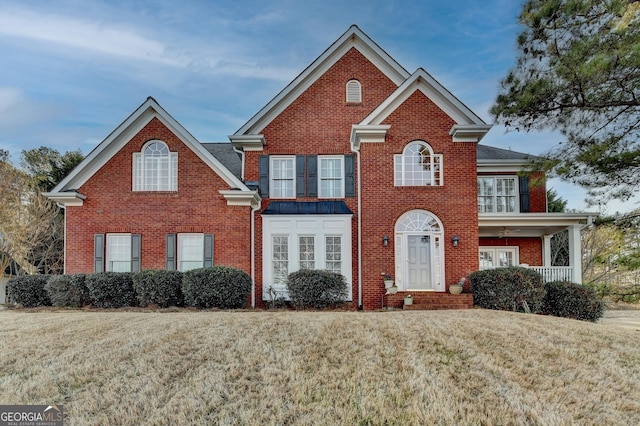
{"points": [[356, 166]]}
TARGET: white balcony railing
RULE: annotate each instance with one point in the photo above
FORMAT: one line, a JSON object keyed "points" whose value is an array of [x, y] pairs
{"points": [[554, 273]]}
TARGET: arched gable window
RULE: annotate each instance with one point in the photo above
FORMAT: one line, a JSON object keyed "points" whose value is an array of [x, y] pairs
{"points": [[354, 91], [418, 166], [155, 168]]}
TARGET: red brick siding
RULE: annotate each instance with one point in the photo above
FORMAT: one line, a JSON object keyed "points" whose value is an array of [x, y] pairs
{"points": [[197, 206]]}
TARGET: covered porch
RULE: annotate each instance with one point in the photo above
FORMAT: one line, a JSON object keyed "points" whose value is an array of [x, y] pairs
{"points": [[525, 239]]}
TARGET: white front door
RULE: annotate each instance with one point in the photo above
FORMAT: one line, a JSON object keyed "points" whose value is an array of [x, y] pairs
{"points": [[419, 262]]}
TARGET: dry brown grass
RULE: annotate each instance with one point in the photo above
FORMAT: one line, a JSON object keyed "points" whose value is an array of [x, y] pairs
{"points": [[275, 368]]}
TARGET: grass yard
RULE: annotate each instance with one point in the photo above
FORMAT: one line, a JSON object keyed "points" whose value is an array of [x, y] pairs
{"points": [[278, 368]]}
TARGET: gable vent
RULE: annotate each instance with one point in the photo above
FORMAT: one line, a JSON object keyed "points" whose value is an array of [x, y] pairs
{"points": [[354, 91]]}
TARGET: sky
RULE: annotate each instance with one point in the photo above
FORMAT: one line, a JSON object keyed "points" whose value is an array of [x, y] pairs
{"points": [[73, 70]]}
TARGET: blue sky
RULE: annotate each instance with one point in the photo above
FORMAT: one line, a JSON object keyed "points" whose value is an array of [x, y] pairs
{"points": [[75, 69]]}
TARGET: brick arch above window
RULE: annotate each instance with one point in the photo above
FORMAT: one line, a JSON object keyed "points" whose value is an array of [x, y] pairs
{"points": [[155, 168], [418, 165]]}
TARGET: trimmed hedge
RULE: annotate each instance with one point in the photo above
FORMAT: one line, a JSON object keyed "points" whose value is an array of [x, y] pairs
{"points": [[216, 287], [29, 290], [111, 289], [570, 300], [317, 289], [508, 289], [68, 290], [163, 288]]}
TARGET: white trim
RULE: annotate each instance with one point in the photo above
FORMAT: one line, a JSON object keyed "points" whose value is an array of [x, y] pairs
{"points": [[241, 198], [495, 249], [248, 142], [66, 199], [273, 158], [108, 253], [352, 38], [355, 91], [367, 134], [494, 196], [342, 176], [179, 249]]}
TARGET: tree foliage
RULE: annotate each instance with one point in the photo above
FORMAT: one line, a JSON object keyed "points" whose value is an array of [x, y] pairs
{"points": [[578, 72], [48, 167]]}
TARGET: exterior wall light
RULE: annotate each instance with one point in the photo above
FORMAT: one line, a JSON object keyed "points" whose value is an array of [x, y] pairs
{"points": [[455, 240], [385, 240]]}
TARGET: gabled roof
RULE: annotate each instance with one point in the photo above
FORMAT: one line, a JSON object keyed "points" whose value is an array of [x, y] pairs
{"points": [[122, 135], [224, 152], [485, 152], [438, 94], [352, 38]]}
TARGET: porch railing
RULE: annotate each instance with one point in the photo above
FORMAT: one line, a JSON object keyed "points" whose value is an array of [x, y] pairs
{"points": [[554, 273]]}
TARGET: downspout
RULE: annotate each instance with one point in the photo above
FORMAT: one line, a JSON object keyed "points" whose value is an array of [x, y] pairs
{"points": [[253, 252], [241, 152], [357, 152]]}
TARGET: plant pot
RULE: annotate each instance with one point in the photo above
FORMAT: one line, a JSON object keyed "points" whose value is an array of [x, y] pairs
{"points": [[392, 290], [388, 284], [408, 300], [455, 289]]}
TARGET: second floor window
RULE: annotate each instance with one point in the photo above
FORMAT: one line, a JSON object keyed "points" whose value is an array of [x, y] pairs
{"points": [[155, 168], [283, 173], [418, 166], [497, 194], [331, 177]]}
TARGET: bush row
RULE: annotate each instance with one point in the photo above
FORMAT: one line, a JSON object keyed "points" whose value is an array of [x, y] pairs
{"points": [[317, 289], [216, 287], [522, 289]]}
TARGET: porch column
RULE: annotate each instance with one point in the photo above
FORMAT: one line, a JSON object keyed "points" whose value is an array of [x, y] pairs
{"points": [[575, 252], [546, 250]]}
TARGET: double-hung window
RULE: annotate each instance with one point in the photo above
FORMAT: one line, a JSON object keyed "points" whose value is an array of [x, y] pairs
{"points": [[418, 166], [497, 194], [190, 251], [118, 253], [498, 257], [331, 176], [155, 168], [283, 175]]}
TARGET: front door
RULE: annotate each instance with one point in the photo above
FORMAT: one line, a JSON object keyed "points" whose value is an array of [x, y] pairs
{"points": [[419, 262]]}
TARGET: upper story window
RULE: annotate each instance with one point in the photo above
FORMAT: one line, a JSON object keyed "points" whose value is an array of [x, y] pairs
{"points": [[282, 177], [331, 177], [418, 166], [497, 194], [155, 168], [354, 91]]}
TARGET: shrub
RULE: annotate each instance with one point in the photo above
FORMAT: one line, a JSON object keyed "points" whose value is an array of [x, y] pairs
{"points": [[111, 289], [216, 287], [29, 291], [317, 289], [68, 290], [570, 300], [508, 289], [162, 288]]}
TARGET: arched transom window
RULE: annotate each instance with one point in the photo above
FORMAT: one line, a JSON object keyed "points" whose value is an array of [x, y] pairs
{"points": [[418, 221], [418, 166], [155, 168], [354, 91]]}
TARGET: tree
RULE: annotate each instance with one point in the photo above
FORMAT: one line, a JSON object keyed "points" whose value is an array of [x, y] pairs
{"points": [[48, 167], [578, 72], [555, 204]]}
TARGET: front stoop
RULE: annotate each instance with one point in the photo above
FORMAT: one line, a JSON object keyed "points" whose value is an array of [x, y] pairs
{"points": [[429, 301]]}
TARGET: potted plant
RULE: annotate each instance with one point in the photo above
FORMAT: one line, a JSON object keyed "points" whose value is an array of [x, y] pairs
{"points": [[388, 281], [392, 290], [408, 299], [457, 287]]}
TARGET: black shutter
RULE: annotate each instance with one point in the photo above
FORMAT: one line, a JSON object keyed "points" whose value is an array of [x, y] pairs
{"points": [[135, 252], [312, 184], [349, 176], [208, 250], [98, 253], [525, 205], [301, 181], [170, 253], [263, 175]]}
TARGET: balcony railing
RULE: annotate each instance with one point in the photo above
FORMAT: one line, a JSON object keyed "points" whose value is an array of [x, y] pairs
{"points": [[555, 273]]}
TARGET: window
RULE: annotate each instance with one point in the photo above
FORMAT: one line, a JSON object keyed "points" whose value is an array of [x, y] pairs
{"points": [[354, 91], [498, 257], [418, 166], [155, 168], [188, 251], [307, 252], [333, 252], [331, 177], [283, 174], [497, 194], [280, 260], [118, 253]]}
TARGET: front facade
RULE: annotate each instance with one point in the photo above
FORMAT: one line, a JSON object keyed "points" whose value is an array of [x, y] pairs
{"points": [[357, 166]]}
